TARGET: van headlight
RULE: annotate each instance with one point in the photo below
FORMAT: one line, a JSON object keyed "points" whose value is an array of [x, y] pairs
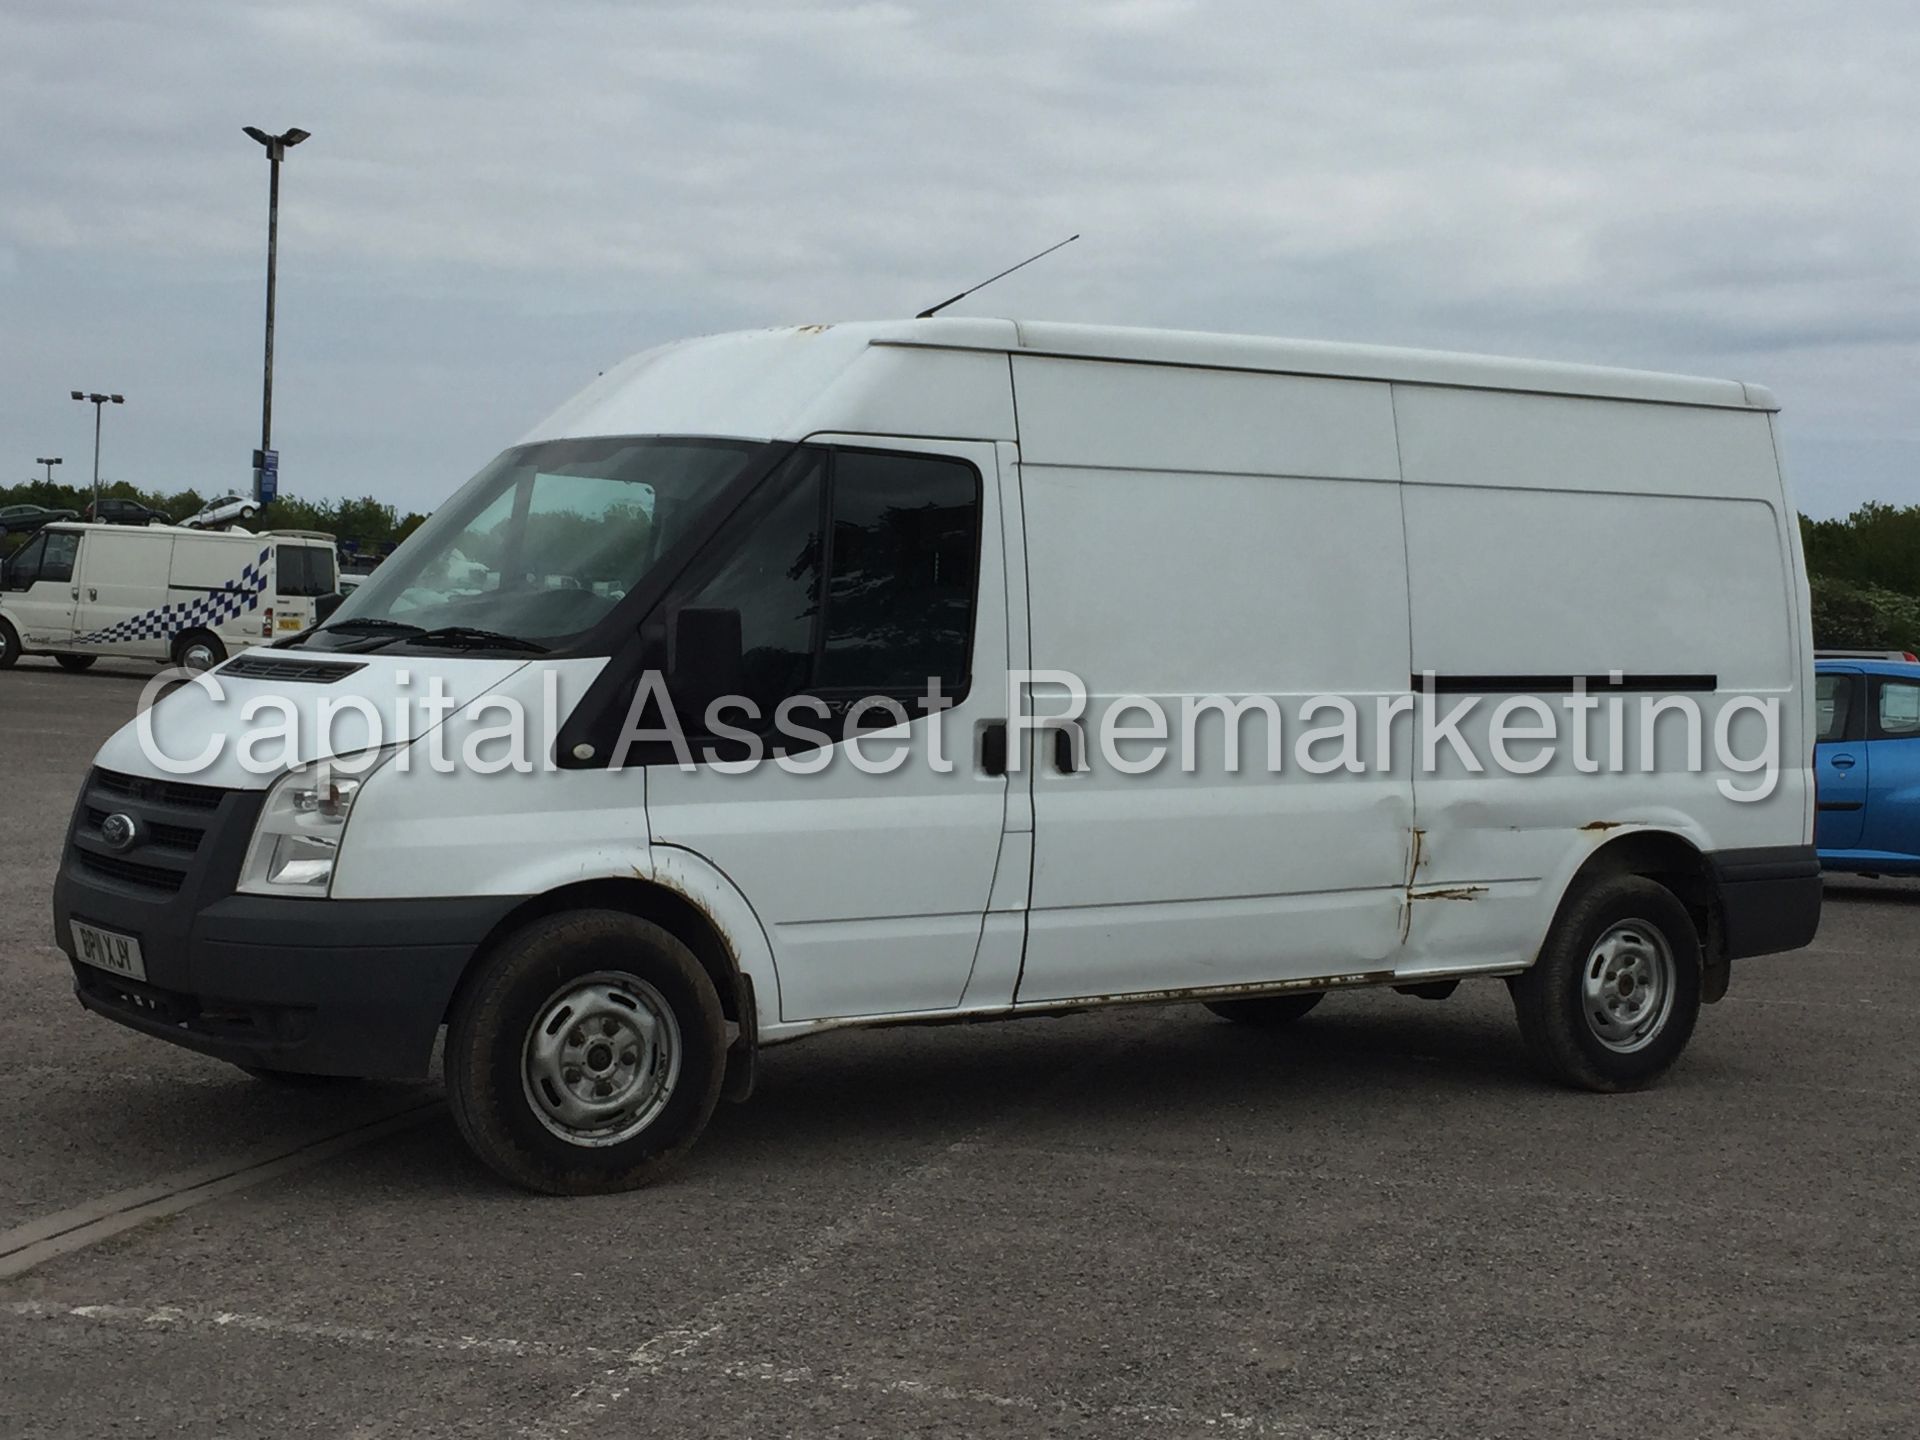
{"points": [[298, 838]]}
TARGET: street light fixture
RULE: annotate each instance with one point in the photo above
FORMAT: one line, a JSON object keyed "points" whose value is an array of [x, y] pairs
{"points": [[276, 148], [96, 399], [49, 461]]}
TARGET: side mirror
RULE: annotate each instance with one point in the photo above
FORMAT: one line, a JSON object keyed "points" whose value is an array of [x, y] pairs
{"points": [[705, 660]]}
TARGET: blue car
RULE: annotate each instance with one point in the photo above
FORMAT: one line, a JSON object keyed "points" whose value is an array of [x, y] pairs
{"points": [[1866, 764]]}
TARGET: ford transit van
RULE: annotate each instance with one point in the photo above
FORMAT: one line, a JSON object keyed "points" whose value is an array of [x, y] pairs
{"points": [[156, 592], [951, 669]]}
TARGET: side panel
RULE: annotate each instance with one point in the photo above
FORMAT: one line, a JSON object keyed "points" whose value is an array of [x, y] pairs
{"points": [[1551, 538], [152, 585], [123, 574], [226, 583], [1194, 535]]}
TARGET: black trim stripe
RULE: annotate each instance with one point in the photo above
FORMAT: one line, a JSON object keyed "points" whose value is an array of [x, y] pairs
{"points": [[1611, 683]]}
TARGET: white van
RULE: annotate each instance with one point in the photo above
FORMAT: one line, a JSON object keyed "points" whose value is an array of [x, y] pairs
{"points": [[157, 592], [1345, 580]]}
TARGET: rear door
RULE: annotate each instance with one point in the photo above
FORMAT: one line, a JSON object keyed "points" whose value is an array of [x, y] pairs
{"points": [[302, 574], [1892, 816], [1841, 758]]}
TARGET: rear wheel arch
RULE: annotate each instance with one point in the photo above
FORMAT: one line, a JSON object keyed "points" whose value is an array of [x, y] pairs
{"points": [[1676, 863]]}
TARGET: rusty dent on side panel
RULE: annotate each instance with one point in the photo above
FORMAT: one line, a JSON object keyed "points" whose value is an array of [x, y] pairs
{"points": [[1603, 825], [1448, 892]]}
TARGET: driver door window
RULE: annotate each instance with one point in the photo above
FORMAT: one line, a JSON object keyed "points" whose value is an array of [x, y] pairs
{"points": [[896, 538], [24, 568]]}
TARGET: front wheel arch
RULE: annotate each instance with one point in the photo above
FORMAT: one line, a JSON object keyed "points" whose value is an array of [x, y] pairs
{"points": [[672, 911]]}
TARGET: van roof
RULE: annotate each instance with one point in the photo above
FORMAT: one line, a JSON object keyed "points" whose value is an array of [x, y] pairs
{"points": [[111, 529], [1268, 355], [809, 379]]}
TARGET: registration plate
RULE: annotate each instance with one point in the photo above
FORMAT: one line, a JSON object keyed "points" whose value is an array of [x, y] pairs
{"points": [[108, 951]]}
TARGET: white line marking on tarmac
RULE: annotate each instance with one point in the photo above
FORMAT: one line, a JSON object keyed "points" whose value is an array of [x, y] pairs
{"points": [[1159, 1418], [76, 1228]]}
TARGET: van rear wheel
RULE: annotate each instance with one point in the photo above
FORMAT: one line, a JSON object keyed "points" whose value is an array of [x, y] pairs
{"points": [[198, 650], [76, 663], [1267, 1010], [585, 1054], [9, 645], [1613, 998]]}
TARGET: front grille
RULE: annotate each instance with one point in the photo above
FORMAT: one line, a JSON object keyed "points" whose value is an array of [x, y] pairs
{"points": [[185, 838], [294, 672], [176, 825], [172, 793], [157, 878]]}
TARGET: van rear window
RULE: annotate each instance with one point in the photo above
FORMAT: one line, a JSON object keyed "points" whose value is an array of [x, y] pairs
{"points": [[305, 570]]}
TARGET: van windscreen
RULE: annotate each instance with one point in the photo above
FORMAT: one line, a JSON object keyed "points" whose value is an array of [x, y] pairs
{"points": [[547, 539]]}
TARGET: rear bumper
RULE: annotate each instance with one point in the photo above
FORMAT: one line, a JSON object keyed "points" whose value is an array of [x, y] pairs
{"points": [[334, 987], [1769, 898]]}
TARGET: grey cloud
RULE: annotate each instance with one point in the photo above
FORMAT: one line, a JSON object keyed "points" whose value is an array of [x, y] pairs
{"points": [[501, 199]]}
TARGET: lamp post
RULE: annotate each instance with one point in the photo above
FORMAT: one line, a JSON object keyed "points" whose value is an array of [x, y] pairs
{"points": [[49, 461], [97, 400], [276, 148]]}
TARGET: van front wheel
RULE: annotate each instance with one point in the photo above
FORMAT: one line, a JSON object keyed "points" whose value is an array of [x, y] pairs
{"points": [[1613, 998], [585, 1054], [9, 645]]}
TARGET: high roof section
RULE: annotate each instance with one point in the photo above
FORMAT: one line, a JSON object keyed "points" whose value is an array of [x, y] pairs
{"points": [[798, 381], [1363, 362]]}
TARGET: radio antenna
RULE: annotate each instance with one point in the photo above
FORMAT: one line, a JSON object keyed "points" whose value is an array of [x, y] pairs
{"points": [[933, 310]]}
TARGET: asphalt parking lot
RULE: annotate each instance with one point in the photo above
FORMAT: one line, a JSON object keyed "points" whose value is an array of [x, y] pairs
{"points": [[1140, 1223]]}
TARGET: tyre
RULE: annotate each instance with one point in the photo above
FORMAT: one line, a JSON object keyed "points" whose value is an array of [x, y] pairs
{"points": [[247, 514], [585, 1054], [294, 1079], [1613, 998], [9, 645], [1267, 1010], [198, 650], [76, 663]]}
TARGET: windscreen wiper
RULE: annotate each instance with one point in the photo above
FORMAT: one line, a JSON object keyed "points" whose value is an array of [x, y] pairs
{"points": [[371, 623], [467, 636]]}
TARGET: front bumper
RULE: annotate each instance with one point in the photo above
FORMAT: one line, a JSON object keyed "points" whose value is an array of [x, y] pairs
{"points": [[336, 987], [1769, 898], [329, 987]]}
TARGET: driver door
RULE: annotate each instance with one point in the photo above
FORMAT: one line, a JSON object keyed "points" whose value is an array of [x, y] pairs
{"points": [[41, 594], [860, 574]]}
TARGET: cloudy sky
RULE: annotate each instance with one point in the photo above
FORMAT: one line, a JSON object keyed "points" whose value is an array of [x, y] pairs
{"points": [[501, 199]]}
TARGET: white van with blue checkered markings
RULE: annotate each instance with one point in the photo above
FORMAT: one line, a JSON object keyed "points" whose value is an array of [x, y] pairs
{"points": [[157, 592]]}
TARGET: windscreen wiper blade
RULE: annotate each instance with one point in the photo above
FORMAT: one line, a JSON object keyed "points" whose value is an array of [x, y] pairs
{"points": [[371, 623], [471, 637]]}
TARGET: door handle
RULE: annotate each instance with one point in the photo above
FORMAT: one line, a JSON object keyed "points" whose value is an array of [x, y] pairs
{"points": [[92, 594], [1842, 762], [75, 592], [1067, 741], [993, 747]]}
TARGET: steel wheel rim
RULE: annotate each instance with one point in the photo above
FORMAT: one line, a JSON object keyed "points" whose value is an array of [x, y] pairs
{"points": [[1627, 988], [198, 657], [601, 1059]]}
